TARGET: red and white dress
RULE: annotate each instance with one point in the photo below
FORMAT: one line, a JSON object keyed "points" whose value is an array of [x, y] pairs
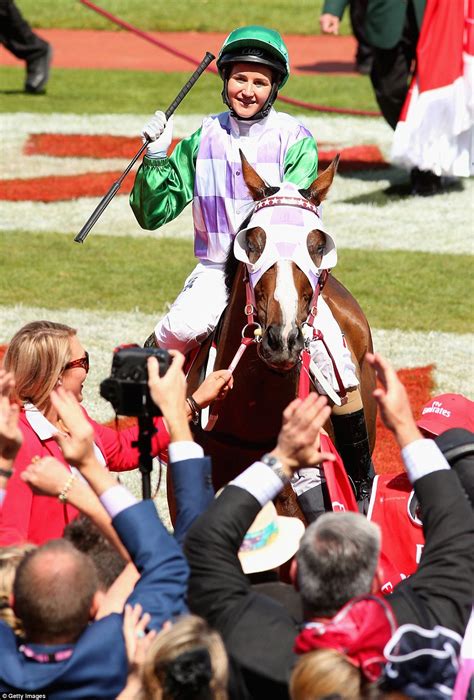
{"points": [[436, 127]]}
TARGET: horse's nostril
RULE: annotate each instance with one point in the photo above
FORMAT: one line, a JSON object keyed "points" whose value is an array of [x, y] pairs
{"points": [[273, 337], [295, 339]]}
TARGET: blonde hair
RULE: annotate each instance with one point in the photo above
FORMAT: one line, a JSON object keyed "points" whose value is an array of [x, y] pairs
{"points": [[10, 558], [37, 355], [188, 633], [325, 672]]}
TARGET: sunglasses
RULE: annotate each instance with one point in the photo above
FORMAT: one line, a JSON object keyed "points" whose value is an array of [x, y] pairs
{"points": [[81, 362]]}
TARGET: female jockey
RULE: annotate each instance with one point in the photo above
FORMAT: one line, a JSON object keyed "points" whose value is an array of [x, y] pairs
{"points": [[205, 168]]}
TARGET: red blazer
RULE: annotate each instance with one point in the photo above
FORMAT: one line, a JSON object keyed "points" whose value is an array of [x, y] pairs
{"points": [[28, 517]]}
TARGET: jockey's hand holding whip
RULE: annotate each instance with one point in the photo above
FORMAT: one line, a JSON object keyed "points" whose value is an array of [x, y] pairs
{"points": [[158, 134]]}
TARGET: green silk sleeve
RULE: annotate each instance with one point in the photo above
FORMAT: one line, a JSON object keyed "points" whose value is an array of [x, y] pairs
{"points": [[164, 186], [301, 162]]}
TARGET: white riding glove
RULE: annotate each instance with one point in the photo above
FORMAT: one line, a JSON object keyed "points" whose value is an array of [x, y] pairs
{"points": [[160, 133]]}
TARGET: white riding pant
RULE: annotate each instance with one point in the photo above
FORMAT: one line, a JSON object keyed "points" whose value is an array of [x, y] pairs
{"points": [[196, 311], [198, 307], [334, 338]]}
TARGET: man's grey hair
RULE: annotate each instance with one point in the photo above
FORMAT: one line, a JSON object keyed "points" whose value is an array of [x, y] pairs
{"points": [[337, 560]]}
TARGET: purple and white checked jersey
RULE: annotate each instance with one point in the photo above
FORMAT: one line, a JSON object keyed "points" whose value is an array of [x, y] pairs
{"points": [[221, 199]]}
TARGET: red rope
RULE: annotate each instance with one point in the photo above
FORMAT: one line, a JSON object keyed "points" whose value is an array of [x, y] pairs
{"points": [[166, 47]]}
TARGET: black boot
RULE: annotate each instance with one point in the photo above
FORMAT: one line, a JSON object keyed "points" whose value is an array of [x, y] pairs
{"points": [[352, 443]]}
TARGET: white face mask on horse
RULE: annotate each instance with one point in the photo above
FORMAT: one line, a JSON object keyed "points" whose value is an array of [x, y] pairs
{"points": [[287, 219]]}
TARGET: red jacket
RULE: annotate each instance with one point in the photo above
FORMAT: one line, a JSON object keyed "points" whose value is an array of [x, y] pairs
{"points": [[402, 534], [28, 517]]}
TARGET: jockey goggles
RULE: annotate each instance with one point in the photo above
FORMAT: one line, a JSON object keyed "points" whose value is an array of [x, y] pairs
{"points": [[287, 218]]}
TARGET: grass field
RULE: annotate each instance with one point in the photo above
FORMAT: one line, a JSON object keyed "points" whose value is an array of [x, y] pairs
{"points": [[48, 270], [122, 92], [291, 17]]}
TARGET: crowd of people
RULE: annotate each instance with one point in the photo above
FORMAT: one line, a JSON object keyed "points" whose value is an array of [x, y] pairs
{"points": [[115, 606], [98, 599]]}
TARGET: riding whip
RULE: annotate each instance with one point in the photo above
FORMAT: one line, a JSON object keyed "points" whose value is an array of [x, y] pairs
{"points": [[105, 201]]}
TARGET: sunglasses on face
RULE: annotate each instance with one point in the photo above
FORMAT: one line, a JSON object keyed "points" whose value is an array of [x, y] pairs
{"points": [[81, 362]]}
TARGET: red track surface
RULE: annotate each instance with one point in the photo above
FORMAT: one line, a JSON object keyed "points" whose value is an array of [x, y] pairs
{"points": [[123, 50]]}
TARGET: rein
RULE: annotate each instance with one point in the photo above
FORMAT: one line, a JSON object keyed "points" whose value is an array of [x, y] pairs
{"points": [[251, 334], [308, 366]]}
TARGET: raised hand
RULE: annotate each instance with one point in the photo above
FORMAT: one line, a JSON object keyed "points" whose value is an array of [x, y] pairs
{"points": [[169, 394], [160, 133], [298, 442], [78, 445], [393, 401], [11, 437], [137, 640], [46, 476], [154, 127]]}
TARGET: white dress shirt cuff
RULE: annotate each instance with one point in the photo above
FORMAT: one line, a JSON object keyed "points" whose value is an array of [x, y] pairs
{"points": [[260, 481], [185, 449], [423, 457], [116, 499]]}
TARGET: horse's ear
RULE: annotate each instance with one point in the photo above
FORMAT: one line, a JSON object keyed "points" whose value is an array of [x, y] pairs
{"points": [[257, 187], [317, 192]]}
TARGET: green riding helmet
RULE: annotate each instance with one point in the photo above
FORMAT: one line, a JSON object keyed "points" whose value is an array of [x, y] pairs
{"points": [[255, 44]]}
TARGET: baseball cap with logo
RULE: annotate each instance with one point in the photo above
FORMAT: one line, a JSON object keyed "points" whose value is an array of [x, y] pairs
{"points": [[447, 411]]}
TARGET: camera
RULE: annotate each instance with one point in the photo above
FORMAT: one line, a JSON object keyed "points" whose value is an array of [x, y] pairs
{"points": [[127, 387]]}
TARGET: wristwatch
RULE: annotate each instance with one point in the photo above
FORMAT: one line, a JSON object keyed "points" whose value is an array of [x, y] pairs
{"points": [[276, 466]]}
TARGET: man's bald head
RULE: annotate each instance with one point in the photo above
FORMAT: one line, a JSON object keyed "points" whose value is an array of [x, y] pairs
{"points": [[53, 592]]}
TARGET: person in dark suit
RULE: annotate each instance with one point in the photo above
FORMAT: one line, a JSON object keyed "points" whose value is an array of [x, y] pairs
{"points": [[64, 653], [329, 22], [17, 36], [258, 632]]}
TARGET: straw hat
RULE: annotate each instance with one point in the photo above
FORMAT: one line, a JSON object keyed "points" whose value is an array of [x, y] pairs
{"points": [[271, 540]]}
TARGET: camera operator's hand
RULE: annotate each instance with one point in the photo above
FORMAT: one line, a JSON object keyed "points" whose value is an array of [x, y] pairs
{"points": [[215, 386], [169, 394], [393, 402]]}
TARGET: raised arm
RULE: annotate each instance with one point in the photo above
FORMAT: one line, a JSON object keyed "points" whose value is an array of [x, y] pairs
{"points": [[218, 588], [163, 570], [440, 591]]}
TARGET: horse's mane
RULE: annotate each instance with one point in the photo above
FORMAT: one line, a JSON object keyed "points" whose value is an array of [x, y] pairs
{"points": [[230, 268]]}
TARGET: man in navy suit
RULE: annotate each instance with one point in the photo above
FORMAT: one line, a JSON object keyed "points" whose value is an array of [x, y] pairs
{"points": [[64, 654]]}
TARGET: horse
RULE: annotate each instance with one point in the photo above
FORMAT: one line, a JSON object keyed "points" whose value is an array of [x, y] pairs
{"points": [[267, 373]]}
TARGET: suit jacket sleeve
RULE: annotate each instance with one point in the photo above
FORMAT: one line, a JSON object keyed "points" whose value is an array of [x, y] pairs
{"points": [[440, 591], [161, 588], [335, 7], [193, 490], [258, 632]]}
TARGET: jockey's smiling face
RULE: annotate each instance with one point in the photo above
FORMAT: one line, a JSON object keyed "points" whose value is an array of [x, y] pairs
{"points": [[248, 88]]}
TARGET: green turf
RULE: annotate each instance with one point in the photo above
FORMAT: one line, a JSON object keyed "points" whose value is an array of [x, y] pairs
{"points": [[289, 17], [50, 270], [124, 92]]}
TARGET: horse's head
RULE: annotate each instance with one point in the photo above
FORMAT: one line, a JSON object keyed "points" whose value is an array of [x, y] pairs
{"points": [[284, 245]]}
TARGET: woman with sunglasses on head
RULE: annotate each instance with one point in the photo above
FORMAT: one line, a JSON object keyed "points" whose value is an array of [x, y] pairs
{"points": [[43, 356]]}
